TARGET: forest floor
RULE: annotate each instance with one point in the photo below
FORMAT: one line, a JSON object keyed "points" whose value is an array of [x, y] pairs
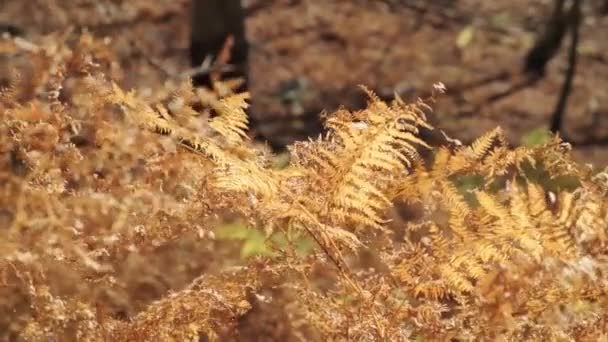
{"points": [[310, 56]]}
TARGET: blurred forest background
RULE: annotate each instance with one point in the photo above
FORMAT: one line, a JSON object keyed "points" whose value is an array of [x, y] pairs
{"points": [[304, 57]]}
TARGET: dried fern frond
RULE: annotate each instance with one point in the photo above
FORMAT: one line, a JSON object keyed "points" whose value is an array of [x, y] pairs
{"points": [[464, 237], [360, 146], [199, 311], [231, 120], [110, 227]]}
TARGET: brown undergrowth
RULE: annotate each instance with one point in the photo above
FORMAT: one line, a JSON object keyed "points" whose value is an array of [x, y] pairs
{"points": [[114, 207]]}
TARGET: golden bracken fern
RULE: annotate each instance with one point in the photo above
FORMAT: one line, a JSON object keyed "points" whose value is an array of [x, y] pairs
{"points": [[123, 214]]}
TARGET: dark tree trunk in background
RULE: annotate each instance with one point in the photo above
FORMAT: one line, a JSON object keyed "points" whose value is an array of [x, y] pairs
{"points": [[563, 19], [549, 42], [213, 22], [10, 29], [560, 109]]}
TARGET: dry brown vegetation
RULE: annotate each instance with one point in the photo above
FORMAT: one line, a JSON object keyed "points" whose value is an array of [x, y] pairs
{"points": [[113, 208], [151, 216]]}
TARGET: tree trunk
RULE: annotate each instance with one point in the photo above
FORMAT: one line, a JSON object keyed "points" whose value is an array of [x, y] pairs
{"points": [[549, 42], [213, 22], [560, 108]]}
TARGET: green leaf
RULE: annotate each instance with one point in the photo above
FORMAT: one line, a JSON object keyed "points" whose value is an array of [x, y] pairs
{"points": [[255, 247], [589, 50], [465, 37], [536, 137], [501, 20], [305, 246], [234, 231], [255, 243], [466, 183]]}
